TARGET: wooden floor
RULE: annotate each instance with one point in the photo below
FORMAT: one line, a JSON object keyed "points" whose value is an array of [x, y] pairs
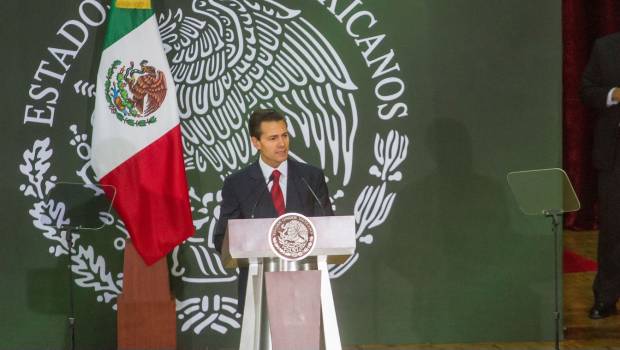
{"points": [[580, 332], [578, 294]]}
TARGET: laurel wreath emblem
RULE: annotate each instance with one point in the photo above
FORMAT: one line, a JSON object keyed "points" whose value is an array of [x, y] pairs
{"points": [[215, 312], [47, 214]]}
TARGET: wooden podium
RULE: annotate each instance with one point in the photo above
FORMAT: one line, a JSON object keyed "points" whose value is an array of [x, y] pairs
{"points": [[288, 304]]}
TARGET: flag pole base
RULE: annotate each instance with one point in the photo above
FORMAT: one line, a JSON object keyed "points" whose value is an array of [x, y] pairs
{"points": [[146, 317]]}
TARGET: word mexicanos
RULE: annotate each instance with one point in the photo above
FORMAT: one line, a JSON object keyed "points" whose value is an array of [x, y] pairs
{"points": [[388, 89]]}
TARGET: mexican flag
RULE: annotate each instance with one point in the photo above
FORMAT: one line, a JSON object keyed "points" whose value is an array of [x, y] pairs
{"points": [[136, 142]]}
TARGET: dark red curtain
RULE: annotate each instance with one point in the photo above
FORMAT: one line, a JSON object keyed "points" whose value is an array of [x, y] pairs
{"points": [[582, 22]]}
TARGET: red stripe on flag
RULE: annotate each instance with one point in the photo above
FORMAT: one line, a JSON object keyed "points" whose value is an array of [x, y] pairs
{"points": [[152, 197]]}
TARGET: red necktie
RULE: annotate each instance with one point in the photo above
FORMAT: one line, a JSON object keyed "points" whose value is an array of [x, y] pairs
{"points": [[276, 193]]}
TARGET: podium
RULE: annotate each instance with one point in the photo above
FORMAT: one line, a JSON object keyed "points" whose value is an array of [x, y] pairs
{"points": [[288, 301]]}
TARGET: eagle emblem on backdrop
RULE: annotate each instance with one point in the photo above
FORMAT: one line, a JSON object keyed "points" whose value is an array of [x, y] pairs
{"points": [[230, 57], [134, 93], [227, 58]]}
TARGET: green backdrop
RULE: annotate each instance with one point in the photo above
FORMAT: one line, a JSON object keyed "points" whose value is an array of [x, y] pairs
{"points": [[476, 94]]}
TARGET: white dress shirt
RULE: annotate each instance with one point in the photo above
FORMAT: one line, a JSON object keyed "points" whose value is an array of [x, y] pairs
{"points": [[267, 170], [611, 102]]}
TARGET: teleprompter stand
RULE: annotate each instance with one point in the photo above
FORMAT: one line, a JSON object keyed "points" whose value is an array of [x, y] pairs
{"points": [[546, 192], [80, 208]]}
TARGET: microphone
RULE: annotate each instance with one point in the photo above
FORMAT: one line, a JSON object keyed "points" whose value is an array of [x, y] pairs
{"points": [[260, 196], [316, 198]]}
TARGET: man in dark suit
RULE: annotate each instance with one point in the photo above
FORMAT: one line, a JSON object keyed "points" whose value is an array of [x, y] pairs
{"points": [[271, 186], [600, 91]]}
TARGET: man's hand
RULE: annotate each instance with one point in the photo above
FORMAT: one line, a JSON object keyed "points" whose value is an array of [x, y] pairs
{"points": [[615, 94]]}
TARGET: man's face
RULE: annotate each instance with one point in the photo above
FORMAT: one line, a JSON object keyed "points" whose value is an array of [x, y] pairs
{"points": [[273, 142]]}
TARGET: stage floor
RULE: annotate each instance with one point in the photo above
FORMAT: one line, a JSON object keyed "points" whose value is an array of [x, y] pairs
{"points": [[599, 344], [578, 294]]}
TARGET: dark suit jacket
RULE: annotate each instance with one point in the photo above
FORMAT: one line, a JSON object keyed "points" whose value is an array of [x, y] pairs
{"points": [[601, 74], [247, 188]]}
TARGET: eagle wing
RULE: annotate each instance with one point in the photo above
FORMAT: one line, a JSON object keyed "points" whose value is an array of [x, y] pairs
{"points": [[156, 91], [149, 92], [228, 58]]}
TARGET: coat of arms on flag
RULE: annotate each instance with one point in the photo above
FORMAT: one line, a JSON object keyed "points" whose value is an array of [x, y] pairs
{"points": [[135, 93]]}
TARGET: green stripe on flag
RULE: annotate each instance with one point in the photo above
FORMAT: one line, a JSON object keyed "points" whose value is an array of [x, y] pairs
{"points": [[122, 21]]}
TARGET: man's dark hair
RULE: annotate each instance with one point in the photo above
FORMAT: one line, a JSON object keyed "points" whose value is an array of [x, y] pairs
{"points": [[262, 115]]}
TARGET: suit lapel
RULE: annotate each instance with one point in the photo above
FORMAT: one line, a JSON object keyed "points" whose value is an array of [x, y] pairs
{"points": [[614, 54], [294, 184], [264, 208]]}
